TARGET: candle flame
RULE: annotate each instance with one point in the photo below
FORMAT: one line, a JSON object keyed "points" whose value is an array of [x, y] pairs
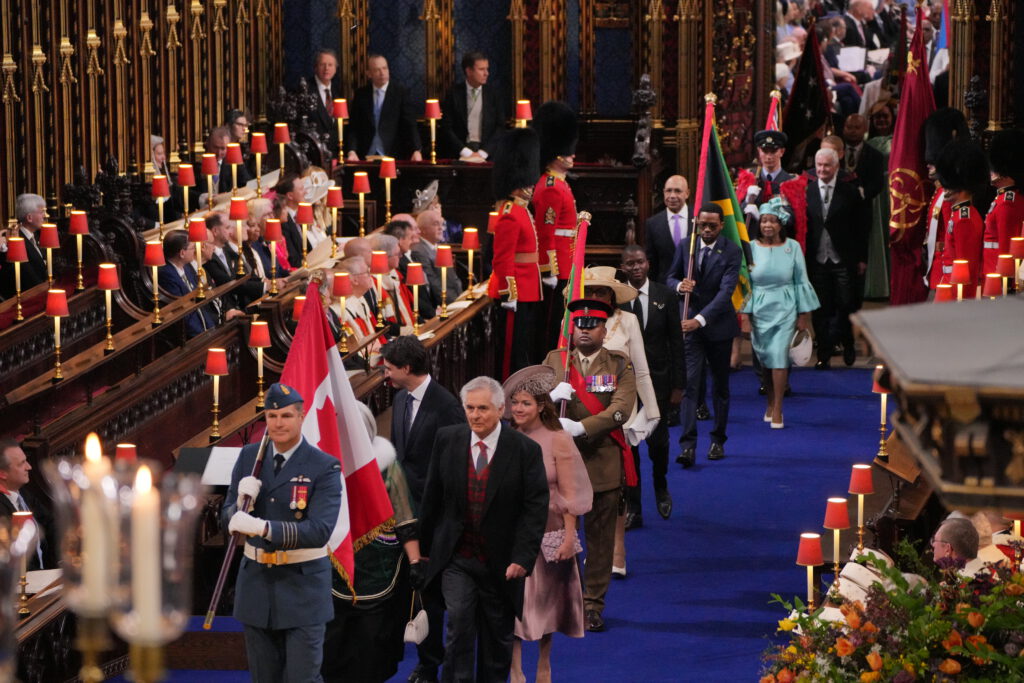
{"points": [[143, 480], [93, 450]]}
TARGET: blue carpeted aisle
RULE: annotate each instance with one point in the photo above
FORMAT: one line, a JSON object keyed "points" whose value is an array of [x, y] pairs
{"points": [[694, 607]]}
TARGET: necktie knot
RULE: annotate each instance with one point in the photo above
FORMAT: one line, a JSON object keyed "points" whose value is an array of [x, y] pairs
{"points": [[278, 463], [481, 458]]}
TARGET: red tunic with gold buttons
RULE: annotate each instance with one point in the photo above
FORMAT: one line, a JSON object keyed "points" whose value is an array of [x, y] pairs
{"points": [[963, 241], [554, 212], [938, 211], [515, 254], [1004, 220]]}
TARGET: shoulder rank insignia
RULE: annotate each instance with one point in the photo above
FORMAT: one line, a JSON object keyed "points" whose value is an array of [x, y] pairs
{"points": [[1010, 195], [965, 211], [549, 216], [550, 182], [507, 208]]}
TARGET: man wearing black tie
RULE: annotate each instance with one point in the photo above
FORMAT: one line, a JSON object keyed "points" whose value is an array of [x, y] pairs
{"points": [[30, 210], [421, 407], [383, 118], [14, 469], [473, 113], [327, 87], [771, 146]]}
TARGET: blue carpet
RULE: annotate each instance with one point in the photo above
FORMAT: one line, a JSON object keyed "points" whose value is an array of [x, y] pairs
{"points": [[695, 604]]}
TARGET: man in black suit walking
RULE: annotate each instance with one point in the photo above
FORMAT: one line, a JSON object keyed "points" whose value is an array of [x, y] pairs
{"points": [[710, 327], [657, 310], [421, 407], [666, 229], [473, 113], [14, 475], [836, 253], [383, 118], [483, 516]]}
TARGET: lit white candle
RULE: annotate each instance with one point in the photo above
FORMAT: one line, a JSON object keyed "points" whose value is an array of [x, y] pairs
{"points": [[259, 361], [56, 330], [860, 509], [97, 533], [216, 389], [145, 553], [810, 585], [884, 396], [108, 292]]}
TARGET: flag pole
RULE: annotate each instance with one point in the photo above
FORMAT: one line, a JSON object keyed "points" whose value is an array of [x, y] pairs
{"points": [[710, 100], [582, 225]]}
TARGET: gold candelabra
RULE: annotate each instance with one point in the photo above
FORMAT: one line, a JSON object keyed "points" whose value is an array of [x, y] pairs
{"points": [[92, 639]]}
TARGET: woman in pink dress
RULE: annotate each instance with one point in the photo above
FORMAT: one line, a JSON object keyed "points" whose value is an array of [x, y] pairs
{"points": [[553, 597]]}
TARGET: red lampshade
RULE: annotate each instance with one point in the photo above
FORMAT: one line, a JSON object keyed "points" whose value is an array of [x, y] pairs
{"points": [[809, 554], [470, 238], [492, 220], [234, 155], [79, 224], [875, 386], [1004, 265], [993, 285], [523, 111], [342, 285], [334, 198], [20, 519], [944, 292], [961, 274], [387, 168], [186, 175], [1017, 247], [216, 362], [281, 133], [197, 230], [16, 250], [414, 274], [837, 515], [107, 278], [161, 188], [154, 254], [444, 256], [360, 183], [56, 303], [210, 164], [297, 305], [272, 230], [860, 480], [49, 239], [238, 211], [259, 334], [304, 214], [258, 143], [339, 109], [433, 110], [126, 452], [379, 263]]}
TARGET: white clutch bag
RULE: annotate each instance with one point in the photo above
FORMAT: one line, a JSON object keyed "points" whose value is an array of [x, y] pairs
{"points": [[552, 541], [800, 348], [418, 627]]}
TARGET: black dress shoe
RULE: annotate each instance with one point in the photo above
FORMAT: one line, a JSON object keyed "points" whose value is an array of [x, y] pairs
{"points": [[762, 389], [634, 520], [849, 354], [664, 503], [821, 365], [594, 621], [687, 457], [716, 452], [703, 413]]}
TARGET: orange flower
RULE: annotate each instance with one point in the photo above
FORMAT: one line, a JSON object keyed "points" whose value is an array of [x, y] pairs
{"points": [[1013, 589], [949, 666], [869, 628], [870, 676], [768, 679], [976, 619], [874, 661], [853, 619], [844, 647], [962, 607], [785, 676], [977, 641], [952, 640]]}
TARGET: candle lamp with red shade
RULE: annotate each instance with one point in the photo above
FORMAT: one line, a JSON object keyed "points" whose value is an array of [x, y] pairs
{"points": [[272, 235], [108, 281], [304, 217], [259, 339], [837, 518], [24, 536], [210, 168], [883, 451], [216, 367], [56, 308], [161, 192], [78, 226], [470, 242], [414, 277], [361, 187], [258, 146], [341, 287], [960, 277], [1004, 268], [1017, 252], [49, 240], [432, 114], [944, 292], [861, 485], [334, 202], [809, 555], [387, 172], [524, 113], [339, 110], [186, 179], [282, 136], [379, 268], [239, 213], [234, 158], [127, 453], [444, 261], [993, 286], [154, 258], [197, 235], [17, 254]]}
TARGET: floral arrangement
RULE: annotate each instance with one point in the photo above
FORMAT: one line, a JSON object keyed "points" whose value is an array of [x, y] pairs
{"points": [[945, 628]]}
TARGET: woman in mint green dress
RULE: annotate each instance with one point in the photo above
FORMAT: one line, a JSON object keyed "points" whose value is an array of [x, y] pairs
{"points": [[781, 301]]}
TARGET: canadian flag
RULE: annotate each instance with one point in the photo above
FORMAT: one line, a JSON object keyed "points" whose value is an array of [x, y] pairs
{"points": [[333, 423]]}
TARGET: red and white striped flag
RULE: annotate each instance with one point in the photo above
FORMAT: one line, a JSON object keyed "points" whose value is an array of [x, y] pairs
{"points": [[333, 424]]}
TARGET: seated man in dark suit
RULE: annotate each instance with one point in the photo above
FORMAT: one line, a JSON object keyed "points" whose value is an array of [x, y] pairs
{"points": [[710, 326], [217, 143], [178, 278], [431, 225], [15, 497], [291, 190], [473, 113], [222, 266], [383, 118], [30, 210], [666, 229]]}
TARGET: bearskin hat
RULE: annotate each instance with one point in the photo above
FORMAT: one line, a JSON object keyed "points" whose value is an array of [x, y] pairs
{"points": [[558, 129], [1006, 154], [940, 128], [962, 166], [515, 161]]}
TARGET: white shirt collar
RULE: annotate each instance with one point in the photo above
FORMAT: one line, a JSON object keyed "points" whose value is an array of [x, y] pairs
{"points": [[491, 441], [645, 287], [681, 213], [382, 89], [421, 390], [822, 184], [288, 453], [181, 272], [13, 497]]}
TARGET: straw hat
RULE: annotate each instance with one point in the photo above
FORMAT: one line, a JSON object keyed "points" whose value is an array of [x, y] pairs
{"points": [[604, 276]]}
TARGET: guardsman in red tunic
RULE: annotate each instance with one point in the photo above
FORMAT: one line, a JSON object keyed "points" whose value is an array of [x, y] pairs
{"points": [[962, 170], [1006, 215], [554, 208], [943, 126], [515, 267], [935, 237]]}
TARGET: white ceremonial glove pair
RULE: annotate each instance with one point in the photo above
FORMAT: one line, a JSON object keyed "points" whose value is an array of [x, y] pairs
{"points": [[550, 281], [248, 486], [572, 426], [509, 305], [562, 392], [752, 192], [244, 523]]}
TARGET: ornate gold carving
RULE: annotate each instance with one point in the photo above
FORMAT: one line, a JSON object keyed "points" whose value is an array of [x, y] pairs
{"points": [[963, 404], [10, 91], [93, 42], [517, 11], [219, 22], [172, 28], [146, 26], [430, 12], [38, 60], [67, 51], [261, 9], [120, 53], [198, 32], [1015, 469], [242, 16]]}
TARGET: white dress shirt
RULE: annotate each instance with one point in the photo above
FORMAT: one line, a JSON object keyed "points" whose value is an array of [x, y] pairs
{"points": [[417, 398], [490, 441]]}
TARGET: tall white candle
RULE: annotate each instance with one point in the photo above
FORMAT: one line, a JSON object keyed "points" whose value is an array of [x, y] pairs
{"points": [[56, 330], [884, 396], [97, 532], [259, 361], [145, 553], [216, 389], [108, 293], [860, 509]]}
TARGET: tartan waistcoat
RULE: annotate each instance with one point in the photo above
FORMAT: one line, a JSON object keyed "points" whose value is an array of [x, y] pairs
{"points": [[471, 543]]}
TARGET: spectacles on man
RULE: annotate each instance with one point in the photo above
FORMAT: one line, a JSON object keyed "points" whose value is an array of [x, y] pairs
{"points": [[706, 224]]}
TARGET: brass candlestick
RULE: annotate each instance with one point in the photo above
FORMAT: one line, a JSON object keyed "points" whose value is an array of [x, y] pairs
{"points": [[416, 310], [341, 141], [343, 344], [23, 610], [57, 374], [259, 179], [110, 323], [469, 288], [92, 639], [80, 285], [157, 320], [160, 213], [49, 267], [387, 198], [380, 301], [444, 293], [883, 450], [215, 426], [200, 273], [239, 232], [273, 269], [305, 243], [147, 663], [259, 391], [433, 140], [362, 214], [234, 179], [334, 231], [209, 192], [18, 317]]}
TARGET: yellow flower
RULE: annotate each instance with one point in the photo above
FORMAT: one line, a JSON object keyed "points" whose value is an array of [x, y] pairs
{"points": [[787, 625]]}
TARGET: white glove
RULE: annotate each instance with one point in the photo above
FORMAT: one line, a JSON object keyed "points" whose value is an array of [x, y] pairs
{"points": [[246, 524], [572, 426], [509, 305], [248, 486], [562, 392], [550, 281], [752, 192]]}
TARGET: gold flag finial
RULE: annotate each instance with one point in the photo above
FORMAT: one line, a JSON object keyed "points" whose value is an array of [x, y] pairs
{"points": [[38, 60], [711, 98], [67, 50]]}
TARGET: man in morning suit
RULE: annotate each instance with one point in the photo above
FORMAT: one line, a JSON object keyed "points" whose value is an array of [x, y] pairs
{"points": [[222, 267], [709, 327], [283, 591], [473, 114], [383, 118], [14, 497], [421, 408], [771, 146], [837, 253], [599, 394], [484, 511], [178, 278], [326, 85], [657, 310], [30, 210], [666, 229]]}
